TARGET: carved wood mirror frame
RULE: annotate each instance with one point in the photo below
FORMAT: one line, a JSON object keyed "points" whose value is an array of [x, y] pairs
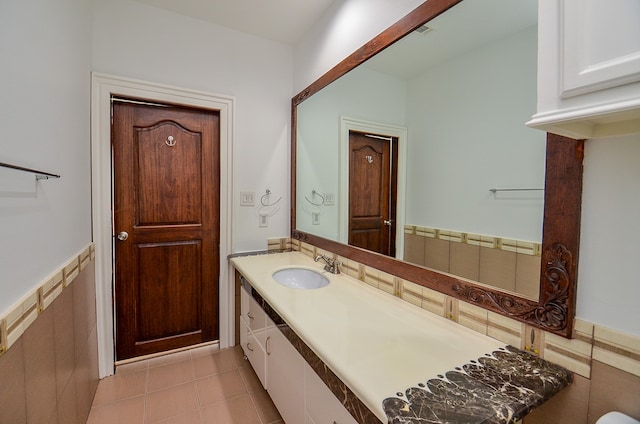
{"points": [[555, 309]]}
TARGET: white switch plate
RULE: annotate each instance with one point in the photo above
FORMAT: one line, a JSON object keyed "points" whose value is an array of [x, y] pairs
{"points": [[315, 218], [263, 221], [329, 199], [247, 198]]}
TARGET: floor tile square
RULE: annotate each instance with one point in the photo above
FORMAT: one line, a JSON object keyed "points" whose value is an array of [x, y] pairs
{"points": [[130, 411], [171, 402], [120, 386], [232, 411], [169, 375], [216, 363], [219, 387]]}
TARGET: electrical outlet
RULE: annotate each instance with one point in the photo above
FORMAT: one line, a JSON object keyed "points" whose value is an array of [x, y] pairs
{"points": [[315, 218], [247, 198], [329, 199]]}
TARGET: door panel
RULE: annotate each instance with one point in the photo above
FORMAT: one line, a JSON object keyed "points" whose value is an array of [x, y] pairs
{"points": [[166, 197], [158, 171], [168, 289]]}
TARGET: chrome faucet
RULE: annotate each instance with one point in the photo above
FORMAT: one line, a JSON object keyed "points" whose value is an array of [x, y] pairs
{"points": [[332, 265]]}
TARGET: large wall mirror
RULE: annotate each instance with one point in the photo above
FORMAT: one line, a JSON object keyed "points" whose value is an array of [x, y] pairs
{"points": [[412, 156]]}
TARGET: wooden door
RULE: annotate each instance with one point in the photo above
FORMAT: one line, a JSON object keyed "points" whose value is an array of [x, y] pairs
{"points": [[372, 192], [166, 199]]}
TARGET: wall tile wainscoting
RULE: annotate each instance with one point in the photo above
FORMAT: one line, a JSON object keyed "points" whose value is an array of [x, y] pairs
{"points": [[50, 349], [512, 265]]}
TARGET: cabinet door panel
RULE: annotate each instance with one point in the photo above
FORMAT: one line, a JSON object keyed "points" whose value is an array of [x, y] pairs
{"points": [[286, 377], [308, 420], [254, 352], [601, 45], [321, 404]]}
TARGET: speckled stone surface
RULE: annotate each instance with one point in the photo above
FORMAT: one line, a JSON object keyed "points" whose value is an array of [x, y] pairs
{"points": [[499, 388]]}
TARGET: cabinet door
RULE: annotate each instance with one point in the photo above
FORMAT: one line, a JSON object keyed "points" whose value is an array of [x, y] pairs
{"points": [[308, 420], [254, 351], [601, 44], [321, 404], [286, 377]]}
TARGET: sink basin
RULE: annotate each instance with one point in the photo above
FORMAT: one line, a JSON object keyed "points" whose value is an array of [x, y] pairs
{"points": [[300, 278]]}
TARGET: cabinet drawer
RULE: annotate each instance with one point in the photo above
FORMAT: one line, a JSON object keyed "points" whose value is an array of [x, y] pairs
{"points": [[252, 313]]}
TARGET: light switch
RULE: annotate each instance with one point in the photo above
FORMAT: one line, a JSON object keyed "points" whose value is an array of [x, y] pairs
{"points": [[247, 198]]}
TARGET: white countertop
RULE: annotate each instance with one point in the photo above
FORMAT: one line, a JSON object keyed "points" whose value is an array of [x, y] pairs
{"points": [[376, 343]]}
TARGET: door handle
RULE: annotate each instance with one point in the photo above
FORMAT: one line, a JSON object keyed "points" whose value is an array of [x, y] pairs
{"points": [[388, 222], [122, 235]]}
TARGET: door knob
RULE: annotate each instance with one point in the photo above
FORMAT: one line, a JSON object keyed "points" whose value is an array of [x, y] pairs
{"points": [[122, 235], [388, 222]]}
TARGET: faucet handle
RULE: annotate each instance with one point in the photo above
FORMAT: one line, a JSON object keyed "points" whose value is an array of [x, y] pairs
{"points": [[333, 266]]}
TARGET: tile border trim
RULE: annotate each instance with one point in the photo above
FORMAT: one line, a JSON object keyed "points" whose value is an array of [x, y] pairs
{"points": [[510, 245], [15, 321]]}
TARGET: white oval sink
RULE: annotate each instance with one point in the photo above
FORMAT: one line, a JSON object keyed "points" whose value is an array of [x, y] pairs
{"points": [[300, 278]]}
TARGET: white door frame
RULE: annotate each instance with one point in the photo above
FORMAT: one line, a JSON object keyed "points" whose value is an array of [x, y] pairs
{"points": [[353, 124], [103, 86]]}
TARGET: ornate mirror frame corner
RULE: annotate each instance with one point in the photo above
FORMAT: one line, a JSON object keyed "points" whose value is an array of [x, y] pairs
{"points": [[555, 309]]}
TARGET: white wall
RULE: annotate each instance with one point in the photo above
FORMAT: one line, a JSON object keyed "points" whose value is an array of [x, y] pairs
{"points": [[346, 27], [467, 134], [45, 46], [609, 270], [609, 274], [134, 40]]}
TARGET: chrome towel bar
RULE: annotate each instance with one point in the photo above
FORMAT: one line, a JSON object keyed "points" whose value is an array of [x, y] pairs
{"points": [[40, 175]]}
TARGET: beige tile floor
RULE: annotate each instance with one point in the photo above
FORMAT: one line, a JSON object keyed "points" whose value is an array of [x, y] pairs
{"points": [[202, 385]]}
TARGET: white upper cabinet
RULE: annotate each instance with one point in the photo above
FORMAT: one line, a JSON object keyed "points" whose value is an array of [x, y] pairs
{"points": [[588, 67]]}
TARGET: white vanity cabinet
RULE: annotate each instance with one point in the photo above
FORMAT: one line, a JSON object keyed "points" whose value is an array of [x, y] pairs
{"points": [[296, 390], [588, 67], [253, 334]]}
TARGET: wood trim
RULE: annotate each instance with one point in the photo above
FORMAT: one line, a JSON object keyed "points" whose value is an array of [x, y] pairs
{"points": [[555, 310], [103, 86], [423, 13]]}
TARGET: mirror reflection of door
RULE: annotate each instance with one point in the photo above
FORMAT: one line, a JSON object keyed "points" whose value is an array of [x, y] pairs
{"points": [[373, 169]]}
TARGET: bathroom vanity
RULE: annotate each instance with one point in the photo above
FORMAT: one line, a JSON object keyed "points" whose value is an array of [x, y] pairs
{"points": [[348, 353]]}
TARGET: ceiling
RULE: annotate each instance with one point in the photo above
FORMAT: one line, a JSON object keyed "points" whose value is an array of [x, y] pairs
{"points": [[285, 21]]}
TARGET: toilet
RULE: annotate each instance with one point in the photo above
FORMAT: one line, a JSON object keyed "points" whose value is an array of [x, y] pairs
{"points": [[616, 418]]}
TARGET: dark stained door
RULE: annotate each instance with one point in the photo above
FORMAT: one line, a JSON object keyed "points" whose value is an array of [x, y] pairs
{"points": [[166, 199], [372, 192]]}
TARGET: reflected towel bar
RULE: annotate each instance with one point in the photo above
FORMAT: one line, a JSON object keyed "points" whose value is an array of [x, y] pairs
{"points": [[494, 190], [40, 175], [315, 193]]}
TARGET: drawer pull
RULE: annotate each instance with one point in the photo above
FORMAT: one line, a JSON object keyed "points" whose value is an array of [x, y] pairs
{"points": [[266, 345], [249, 347], [250, 316]]}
